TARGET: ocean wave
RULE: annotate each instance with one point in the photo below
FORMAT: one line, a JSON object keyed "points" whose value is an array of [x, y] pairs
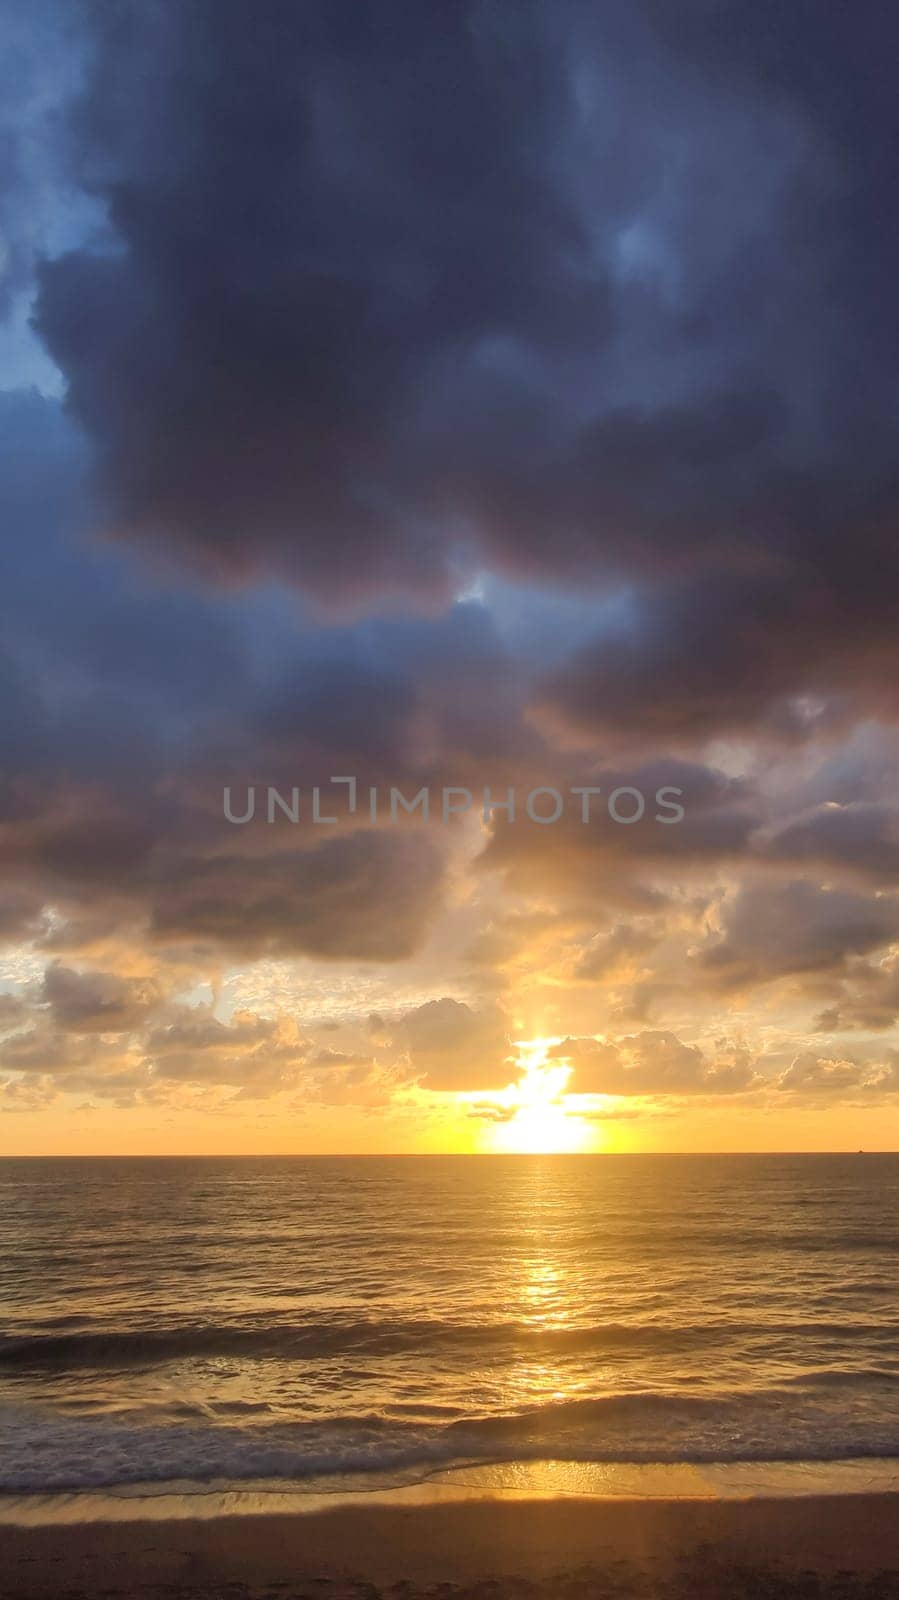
{"points": [[102, 1349], [42, 1451]]}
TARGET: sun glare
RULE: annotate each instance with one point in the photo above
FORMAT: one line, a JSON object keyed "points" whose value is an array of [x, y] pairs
{"points": [[539, 1123]]}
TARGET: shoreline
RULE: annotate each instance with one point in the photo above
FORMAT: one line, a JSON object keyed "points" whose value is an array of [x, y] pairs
{"points": [[526, 1479], [505, 1544]]}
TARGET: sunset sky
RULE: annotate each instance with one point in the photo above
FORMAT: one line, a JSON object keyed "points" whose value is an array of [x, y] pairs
{"points": [[463, 397]]}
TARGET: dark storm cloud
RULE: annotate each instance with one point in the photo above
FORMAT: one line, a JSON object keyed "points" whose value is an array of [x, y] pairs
{"points": [[860, 837], [622, 861], [776, 930], [786, 655], [309, 226], [110, 673], [385, 298], [404, 699], [126, 704], [573, 292], [363, 896], [102, 668], [111, 802]]}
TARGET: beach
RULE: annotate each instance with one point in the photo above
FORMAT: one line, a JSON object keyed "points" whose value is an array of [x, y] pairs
{"points": [[503, 1548]]}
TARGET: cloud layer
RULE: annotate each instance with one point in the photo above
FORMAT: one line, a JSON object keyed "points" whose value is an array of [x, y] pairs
{"points": [[496, 401]]}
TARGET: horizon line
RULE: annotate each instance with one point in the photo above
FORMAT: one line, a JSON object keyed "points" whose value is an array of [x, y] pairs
{"points": [[410, 1155]]}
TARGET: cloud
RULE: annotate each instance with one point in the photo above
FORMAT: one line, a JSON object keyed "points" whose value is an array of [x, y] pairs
{"points": [[355, 1080], [453, 1046], [261, 1056], [500, 402], [655, 1062], [12, 1010], [125, 1041], [771, 931], [41, 1051], [26, 1095], [697, 656], [362, 896], [98, 1002], [824, 1075], [487, 1111], [859, 837], [868, 997], [360, 327], [614, 951], [631, 861], [315, 294], [115, 1041]]}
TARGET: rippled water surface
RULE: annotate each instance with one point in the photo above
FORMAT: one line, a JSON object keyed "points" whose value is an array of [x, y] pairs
{"points": [[255, 1319]]}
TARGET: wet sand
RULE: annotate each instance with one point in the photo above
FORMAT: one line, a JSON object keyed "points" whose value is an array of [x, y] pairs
{"points": [[817, 1548]]}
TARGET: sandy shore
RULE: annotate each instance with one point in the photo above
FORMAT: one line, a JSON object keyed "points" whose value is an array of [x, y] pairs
{"points": [[490, 1549]]}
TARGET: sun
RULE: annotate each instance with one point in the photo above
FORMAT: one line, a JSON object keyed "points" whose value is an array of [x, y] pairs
{"points": [[539, 1123], [540, 1130]]}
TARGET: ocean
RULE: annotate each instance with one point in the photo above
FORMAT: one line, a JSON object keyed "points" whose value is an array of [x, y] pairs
{"points": [[305, 1321]]}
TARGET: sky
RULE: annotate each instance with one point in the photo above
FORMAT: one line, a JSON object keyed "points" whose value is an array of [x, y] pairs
{"points": [[489, 398]]}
